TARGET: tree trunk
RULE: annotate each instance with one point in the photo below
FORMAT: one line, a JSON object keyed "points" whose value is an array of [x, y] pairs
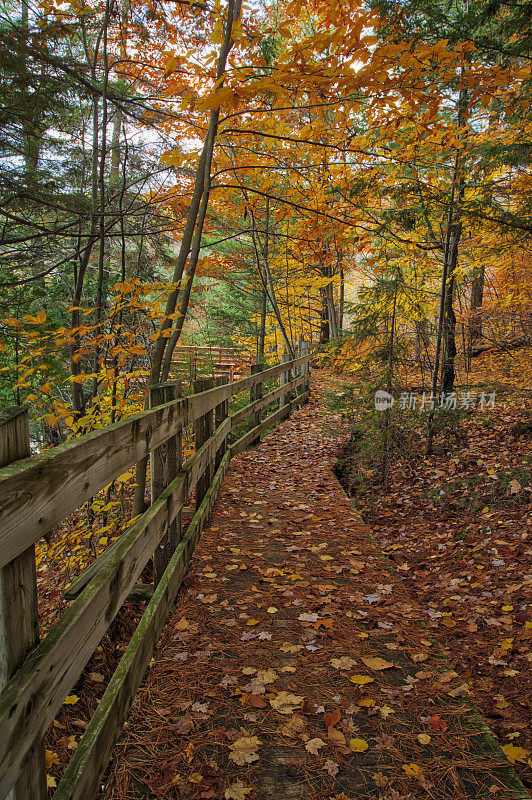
{"points": [[477, 297], [324, 318], [190, 244]]}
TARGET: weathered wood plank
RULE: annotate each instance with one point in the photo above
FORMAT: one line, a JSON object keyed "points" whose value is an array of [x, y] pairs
{"points": [[82, 776], [40, 492], [19, 621], [220, 415], [255, 393], [166, 462], [77, 586], [30, 701], [204, 431]]}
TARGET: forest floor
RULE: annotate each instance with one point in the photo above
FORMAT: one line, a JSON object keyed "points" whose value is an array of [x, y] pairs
{"points": [[457, 526], [298, 664]]}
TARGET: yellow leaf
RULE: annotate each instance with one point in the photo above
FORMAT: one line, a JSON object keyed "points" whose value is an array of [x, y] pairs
{"points": [[51, 782], [170, 67], [423, 738], [41, 316], [414, 771], [358, 745], [366, 702], [514, 753], [71, 700], [361, 680], [195, 777], [51, 758]]}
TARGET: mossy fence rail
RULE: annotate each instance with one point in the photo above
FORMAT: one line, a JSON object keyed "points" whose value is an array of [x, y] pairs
{"points": [[37, 493]]}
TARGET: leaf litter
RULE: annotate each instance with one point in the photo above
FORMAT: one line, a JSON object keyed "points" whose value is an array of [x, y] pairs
{"points": [[315, 729]]}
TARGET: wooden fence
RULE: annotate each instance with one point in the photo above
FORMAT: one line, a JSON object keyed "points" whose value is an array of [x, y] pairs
{"points": [[38, 493], [193, 360]]}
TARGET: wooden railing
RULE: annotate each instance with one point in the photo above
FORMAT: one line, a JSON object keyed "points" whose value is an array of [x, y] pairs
{"points": [[38, 493], [194, 360]]}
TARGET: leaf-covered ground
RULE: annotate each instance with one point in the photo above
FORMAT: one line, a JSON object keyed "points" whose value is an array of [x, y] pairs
{"points": [[458, 528], [296, 664]]}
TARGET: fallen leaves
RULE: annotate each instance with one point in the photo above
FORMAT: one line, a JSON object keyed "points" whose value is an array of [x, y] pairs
{"points": [[71, 700], [313, 745], [361, 680], [237, 791], [515, 754], [358, 745], [244, 750], [331, 767], [332, 718], [376, 663], [344, 662], [286, 703], [414, 771]]}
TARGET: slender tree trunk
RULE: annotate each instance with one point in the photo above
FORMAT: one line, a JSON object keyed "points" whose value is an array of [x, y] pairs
{"points": [[262, 329], [341, 303], [446, 317], [441, 314], [475, 320], [388, 412], [324, 318], [449, 324], [191, 239]]}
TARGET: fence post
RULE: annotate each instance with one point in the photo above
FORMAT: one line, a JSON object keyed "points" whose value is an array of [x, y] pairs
{"points": [[303, 369], [204, 431], [221, 412], [306, 367], [19, 622], [165, 464], [255, 393], [285, 378]]}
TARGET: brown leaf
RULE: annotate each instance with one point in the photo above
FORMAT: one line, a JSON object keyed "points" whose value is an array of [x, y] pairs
{"points": [[332, 718]]}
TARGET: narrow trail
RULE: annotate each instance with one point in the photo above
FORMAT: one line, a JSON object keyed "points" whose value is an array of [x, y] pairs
{"points": [[296, 665]]}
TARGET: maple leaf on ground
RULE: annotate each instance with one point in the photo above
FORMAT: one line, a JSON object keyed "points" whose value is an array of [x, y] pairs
{"points": [[314, 745], [295, 725], [515, 754], [237, 791], [286, 703], [181, 725], [331, 767], [266, 676], [381, 780], [344, 662], [244, 750]]}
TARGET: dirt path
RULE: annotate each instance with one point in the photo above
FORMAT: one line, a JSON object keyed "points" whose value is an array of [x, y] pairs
{"points": [[296, 665]]}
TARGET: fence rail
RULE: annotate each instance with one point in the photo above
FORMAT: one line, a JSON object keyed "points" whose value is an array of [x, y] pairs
{"points": [[37, 493]]}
